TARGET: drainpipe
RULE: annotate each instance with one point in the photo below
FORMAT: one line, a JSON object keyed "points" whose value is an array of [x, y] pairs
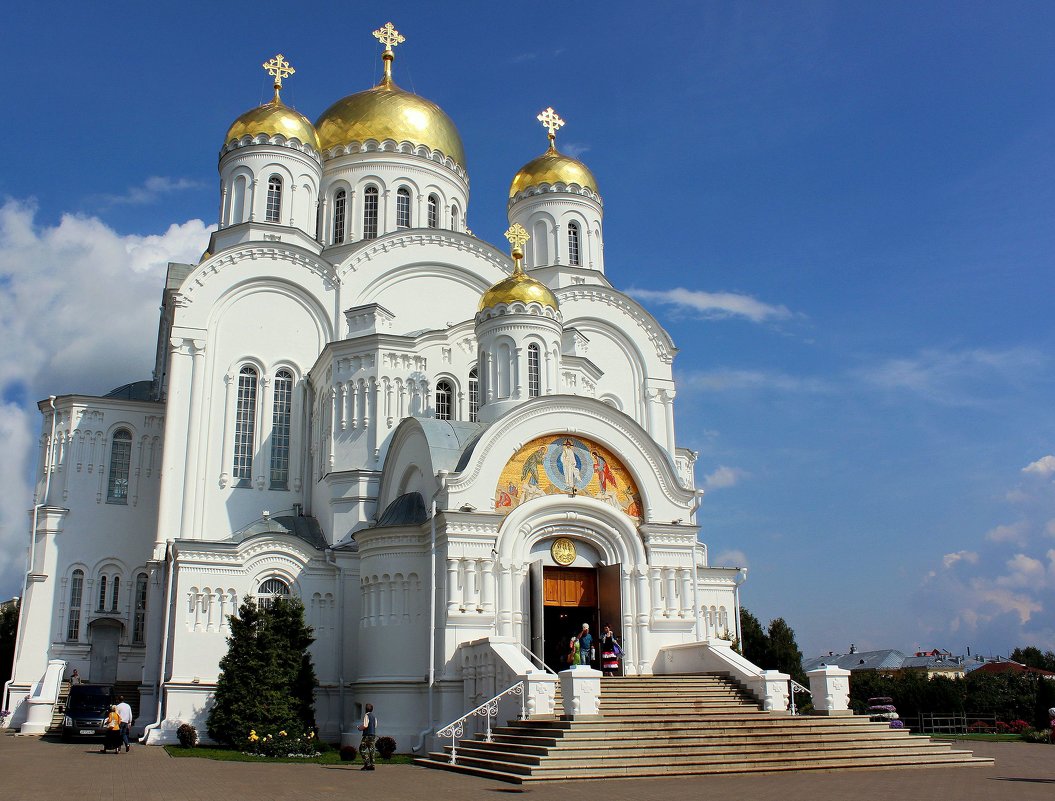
{"points": [[741, 573], [162, 689], [332, 559], [695, 572], [442, 478], [42, 501]]}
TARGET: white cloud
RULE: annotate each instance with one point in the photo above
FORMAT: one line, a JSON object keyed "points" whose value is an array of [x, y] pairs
{"points": [[730, 558], [1023, 572], [151, 191], [1009, 532], [727, 380], [724, 477], [714, 305], [1044, 466], [956, 377], [951, 559], [574, 149], [77, 298]]}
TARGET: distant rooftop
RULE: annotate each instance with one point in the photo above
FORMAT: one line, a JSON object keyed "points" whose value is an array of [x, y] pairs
{"points": [[136, 391]]}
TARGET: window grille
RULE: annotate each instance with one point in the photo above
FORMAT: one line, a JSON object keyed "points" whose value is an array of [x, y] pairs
{"points": [[403, 208], [280, 430], [573, 244], [434, 211], [270, 590], [245, 427], [73, 623], [474, 395], [120, 457], [370, 213], [140, 618], [273, 212], [339, 202], [534, 378], [444, 400], [102, 593], [115, 595], [454, 218]]}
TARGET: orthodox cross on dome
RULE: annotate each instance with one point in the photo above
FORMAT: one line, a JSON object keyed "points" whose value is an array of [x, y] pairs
{"points": [[552, 123], [517, 236], [389, 37], [279, 68]]}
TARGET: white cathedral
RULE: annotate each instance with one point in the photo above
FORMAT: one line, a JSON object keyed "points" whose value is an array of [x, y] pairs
{"points": [[453, 457]]}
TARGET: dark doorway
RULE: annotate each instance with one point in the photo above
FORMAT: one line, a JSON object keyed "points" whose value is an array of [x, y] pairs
{"points": [[569, 597]]}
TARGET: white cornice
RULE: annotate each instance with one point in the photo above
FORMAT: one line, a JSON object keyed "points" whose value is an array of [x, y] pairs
{"points": [[223, 261], [274, 141], [427, 236], [595, 293], [404, 148]]}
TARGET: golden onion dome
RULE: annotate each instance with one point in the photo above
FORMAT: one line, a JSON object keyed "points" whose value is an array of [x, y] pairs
{"points": [[274, 119], [519, 287], [553, 167], [388, 112]]}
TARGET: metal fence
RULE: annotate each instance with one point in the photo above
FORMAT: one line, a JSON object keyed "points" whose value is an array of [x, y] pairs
{"points": [[955, 723]]}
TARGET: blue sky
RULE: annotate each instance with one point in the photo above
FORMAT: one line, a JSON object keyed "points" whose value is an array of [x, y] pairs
{"points": [[842, 212]]}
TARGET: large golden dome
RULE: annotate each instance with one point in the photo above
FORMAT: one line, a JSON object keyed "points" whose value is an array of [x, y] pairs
{"points": [[388, 112], [553, 167], [272, 119], [518, 287]]}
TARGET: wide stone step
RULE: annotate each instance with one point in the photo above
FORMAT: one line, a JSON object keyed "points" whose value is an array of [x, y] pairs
{"points": [[687, 742]]}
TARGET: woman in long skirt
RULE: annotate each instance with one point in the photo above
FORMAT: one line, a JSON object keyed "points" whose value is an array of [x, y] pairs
{"points": [[609, 652]]}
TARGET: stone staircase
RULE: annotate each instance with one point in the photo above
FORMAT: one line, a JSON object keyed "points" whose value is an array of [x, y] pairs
{"points": [[688, 725]]}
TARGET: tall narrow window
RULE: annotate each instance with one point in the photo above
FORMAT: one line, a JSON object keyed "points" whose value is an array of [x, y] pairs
{"points": [[73, 623], [370, 213], [455, 216], [270, 590], [340, 200], [403, 208], [245, 427], [444, 400], [474, 395], [273, 212], [280, 430], [139, 621], [102, 593], [534, 378], [573, 244], [120, 456], [434, 211], [115, 594]]}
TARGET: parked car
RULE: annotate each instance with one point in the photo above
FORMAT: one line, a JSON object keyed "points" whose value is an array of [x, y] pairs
{"points": [[86, 710]]}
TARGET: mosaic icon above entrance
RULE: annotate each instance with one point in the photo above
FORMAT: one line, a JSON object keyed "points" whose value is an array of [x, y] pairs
{"points": [[566, 465]]}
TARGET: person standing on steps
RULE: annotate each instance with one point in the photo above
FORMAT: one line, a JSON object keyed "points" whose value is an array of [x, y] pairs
{"points": [[609, 652], [367, 748], [124, 711], [585, 645]]}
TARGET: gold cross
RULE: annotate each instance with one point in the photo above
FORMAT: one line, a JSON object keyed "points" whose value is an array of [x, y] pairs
{"points": [[517, 236], [279, 68], [389, 36], [551, 122]]}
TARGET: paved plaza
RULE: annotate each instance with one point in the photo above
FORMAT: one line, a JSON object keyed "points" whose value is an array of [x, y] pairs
{"points": [[32, 769]]}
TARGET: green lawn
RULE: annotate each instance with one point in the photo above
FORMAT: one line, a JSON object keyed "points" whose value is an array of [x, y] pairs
{"points": [[331, 757]]}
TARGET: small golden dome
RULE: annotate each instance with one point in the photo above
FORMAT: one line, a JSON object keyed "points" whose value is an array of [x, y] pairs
{"points": [[388, 112], [272, 119], [553, 167], [518, 287]]}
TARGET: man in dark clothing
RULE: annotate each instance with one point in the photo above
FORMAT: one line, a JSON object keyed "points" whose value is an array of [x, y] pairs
{"points": [[369, 729]]}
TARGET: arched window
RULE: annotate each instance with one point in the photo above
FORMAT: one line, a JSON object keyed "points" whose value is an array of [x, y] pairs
{"points": [[534, 371], [245, 427], [573, 244], [102, 593], [403, 208], [444, 400], [434, 211], [139, 621], [271, 590], [474, 395], [273, 213], [370, 213], [73, 622], [340, 201], [280, 430], [120, 457], [115, 594], [454, 218]]}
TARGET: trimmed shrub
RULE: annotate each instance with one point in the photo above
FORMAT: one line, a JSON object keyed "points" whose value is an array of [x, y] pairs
{"points": [[348, 753], [187, 735], [386, 747]]}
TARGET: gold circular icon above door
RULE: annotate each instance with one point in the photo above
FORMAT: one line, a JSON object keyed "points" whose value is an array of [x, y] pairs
{"points": [[563, 551]]}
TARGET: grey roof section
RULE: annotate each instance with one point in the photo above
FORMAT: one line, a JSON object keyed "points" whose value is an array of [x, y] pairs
{"points": [[887, 659], [406, 510], [136, 391], [177, 273], [447, 439], [300, 526], [945, 661]]}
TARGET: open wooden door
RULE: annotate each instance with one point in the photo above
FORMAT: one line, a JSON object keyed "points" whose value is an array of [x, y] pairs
{"points": [[610, 601], [537, 610]]}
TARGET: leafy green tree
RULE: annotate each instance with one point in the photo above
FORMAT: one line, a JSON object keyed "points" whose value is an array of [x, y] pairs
{"points": [[784, 654], [753, 642], [267, 679], [8, 631], [1031, 656]]}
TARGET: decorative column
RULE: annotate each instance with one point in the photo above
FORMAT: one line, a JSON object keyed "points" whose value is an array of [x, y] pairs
{"points": [[344, 405], [487, 589], [469, 591], [668, 409], [517, 380], [266, 416], [641, 582], [174, 466], [452, 586], [685, 577], [505, 600], [655, 577], [671, 605]]}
